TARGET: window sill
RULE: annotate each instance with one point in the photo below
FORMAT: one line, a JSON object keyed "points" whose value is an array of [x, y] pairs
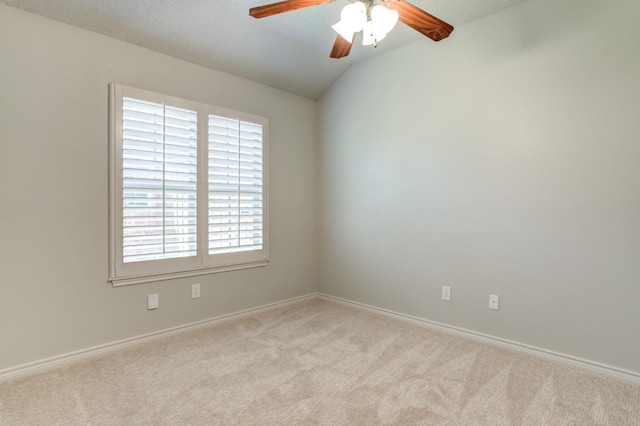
{"points": [[141, 279]]}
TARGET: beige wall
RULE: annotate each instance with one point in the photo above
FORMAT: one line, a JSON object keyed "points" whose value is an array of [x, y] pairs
{"points": [[502, 160], [506, 160], [54, 297]]}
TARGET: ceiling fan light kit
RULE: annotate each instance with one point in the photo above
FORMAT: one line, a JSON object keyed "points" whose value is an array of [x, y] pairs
{"points": [[375, 18]]}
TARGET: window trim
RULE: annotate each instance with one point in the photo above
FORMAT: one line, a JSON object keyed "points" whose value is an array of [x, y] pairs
{"points": [[202, 263]]}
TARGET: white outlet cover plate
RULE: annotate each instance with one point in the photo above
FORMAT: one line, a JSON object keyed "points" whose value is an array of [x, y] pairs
{"points": [[446, 293], [153, 301], [494, 302]]}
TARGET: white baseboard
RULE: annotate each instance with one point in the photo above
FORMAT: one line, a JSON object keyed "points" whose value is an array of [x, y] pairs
{"points": [[619, 374], [47, 364], [41, 366]]}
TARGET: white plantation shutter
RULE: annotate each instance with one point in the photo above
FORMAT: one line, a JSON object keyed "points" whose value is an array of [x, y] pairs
{"points": [[235, 185], [159, 181], [188, 188]]}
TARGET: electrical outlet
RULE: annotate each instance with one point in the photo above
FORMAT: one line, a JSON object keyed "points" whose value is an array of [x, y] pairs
{"points": [[494, 302], [446, 293], [195, 291], [153, 301]]}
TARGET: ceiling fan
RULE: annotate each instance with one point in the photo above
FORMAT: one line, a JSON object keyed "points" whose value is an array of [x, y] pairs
{"points": [[375, 18]]}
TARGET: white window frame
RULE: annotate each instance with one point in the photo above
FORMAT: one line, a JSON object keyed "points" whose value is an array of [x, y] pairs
{"points": [[121, 273]]}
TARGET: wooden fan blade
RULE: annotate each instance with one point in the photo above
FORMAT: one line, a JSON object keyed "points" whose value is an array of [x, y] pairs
{"points": [[341, 47], [421, 21], [284, 6]]}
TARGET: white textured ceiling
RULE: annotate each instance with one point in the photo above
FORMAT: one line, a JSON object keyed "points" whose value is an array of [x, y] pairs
{"points": [[289, 51]]}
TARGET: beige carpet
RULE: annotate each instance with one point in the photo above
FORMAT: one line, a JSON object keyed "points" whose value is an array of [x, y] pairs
{"points": [[317, 363]]}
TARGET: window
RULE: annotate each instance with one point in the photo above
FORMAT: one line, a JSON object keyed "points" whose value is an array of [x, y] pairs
{"points": [[188, 188]]}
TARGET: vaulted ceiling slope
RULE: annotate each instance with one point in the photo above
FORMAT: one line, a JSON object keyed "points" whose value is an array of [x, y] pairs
{"points": [[289, 51]]}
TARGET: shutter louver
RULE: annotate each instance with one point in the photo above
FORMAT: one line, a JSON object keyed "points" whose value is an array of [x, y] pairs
{"points": [[235, 185], [159, 180]]}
